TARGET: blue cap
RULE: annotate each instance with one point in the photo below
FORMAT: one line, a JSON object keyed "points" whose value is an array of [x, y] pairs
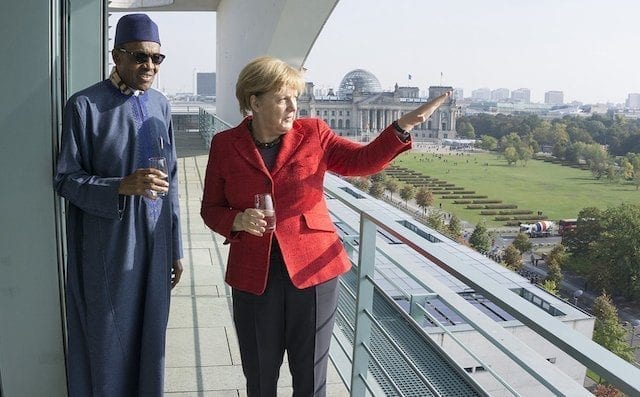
{"points": [[136, 27]]}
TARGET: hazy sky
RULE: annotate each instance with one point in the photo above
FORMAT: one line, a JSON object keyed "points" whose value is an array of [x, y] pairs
{"points": [[590, 49]]}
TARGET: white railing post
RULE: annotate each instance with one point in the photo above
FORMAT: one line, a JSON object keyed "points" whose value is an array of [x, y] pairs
{"points": [[364, 304]]}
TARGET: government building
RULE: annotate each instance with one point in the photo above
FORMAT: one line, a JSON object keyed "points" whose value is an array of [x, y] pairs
{"points": [[361, 109]]}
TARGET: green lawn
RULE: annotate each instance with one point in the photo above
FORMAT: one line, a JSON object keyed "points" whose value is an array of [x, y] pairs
{"points": [[558, 191]]}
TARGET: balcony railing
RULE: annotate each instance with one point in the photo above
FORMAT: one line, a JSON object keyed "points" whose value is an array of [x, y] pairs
{"points": [[209, 125], [403, 327]]}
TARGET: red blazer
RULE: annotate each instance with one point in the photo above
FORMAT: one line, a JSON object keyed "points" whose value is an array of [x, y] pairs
{"points": [[307, 237]]}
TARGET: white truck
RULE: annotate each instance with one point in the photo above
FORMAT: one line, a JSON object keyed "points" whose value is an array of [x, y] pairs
{"points": [[538, 229]]}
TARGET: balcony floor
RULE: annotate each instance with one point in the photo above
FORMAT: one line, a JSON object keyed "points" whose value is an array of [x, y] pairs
{"points": [[202, 357]]}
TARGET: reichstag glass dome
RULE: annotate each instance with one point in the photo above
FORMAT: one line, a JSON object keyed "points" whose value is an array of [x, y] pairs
{"points": [[360, 80]]}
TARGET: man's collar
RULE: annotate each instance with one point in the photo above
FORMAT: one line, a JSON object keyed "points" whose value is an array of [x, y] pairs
{"points": [[121, 86]]}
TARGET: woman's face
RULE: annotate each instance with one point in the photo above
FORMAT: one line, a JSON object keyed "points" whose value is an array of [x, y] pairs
{"points": [[275, 111]]}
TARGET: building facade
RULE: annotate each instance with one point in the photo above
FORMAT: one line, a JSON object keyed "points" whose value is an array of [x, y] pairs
{"points": [[554, 97], [206, 84], [521, 95], [633, 101], [361, 109], [500, 94]]}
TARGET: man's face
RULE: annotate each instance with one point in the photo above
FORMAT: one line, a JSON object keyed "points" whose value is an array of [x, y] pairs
{"points": [[136, 75]]}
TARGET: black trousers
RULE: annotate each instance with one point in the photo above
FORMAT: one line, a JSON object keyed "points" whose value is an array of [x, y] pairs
{"points": [[285, 318]]}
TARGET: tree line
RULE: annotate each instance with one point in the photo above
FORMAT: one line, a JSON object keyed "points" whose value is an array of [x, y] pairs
{"points": [[608, 144]]}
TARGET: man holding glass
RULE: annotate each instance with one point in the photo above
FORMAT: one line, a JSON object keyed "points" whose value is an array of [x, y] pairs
{"points": [[123, 232]]}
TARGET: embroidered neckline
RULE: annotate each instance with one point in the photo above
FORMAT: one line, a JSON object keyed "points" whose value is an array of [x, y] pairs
{"points": [[262, 145], [116, 80]]}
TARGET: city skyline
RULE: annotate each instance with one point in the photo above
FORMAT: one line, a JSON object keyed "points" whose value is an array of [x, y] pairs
{"points": [[578, 47]]}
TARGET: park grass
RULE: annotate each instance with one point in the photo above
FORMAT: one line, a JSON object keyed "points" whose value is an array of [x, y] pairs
{"points": [[557, 191]]}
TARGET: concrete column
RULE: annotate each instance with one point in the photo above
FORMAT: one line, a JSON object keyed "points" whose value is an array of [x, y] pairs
{"points": [[275, 30]]}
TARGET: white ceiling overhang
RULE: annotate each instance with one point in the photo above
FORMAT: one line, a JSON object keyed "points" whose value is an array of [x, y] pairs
{"points": [[164, 5]]}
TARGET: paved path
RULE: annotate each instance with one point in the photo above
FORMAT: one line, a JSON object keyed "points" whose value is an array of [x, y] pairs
{"points": [[202, 356]]}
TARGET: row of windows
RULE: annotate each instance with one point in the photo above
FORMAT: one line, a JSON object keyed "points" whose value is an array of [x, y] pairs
{"points": [[347, 123], [333, 112]]}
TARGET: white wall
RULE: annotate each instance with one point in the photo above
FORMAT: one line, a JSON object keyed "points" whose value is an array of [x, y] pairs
{"points": [[285, 29]]}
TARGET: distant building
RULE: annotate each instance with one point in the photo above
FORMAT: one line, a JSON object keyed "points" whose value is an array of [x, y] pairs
{"points": [[554, 97], [458, 94], [500, 94], [633, 101], [481, 94], [521, 95], [206, 85], [361, 109]]}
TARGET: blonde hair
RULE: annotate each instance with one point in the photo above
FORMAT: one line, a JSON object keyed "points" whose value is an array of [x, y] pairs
{"points": [[265, 74]]}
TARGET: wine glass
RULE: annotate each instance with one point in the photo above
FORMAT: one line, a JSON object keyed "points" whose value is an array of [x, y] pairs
{"points": [[159, 163], [264, 202]]}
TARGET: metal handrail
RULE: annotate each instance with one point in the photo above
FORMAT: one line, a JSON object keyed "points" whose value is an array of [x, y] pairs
{"points": [[623, 375]]}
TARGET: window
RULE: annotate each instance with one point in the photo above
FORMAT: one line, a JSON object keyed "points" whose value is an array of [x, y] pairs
{"points": [[348, 113], [303, 112], [333, 123], [317, 113], [339, 123], [340, 113], [333, 112], [347, 123], [325, 113], [429, 124]]}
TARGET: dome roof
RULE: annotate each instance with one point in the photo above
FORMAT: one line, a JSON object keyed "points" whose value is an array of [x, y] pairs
{"points": [[358, 80]]}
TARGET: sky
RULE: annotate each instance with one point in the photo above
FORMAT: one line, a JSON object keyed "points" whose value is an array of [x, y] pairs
{"points": [[589, 49]]}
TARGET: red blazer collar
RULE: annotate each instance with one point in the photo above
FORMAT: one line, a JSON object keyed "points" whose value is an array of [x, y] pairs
{"points": [[247, 149]]}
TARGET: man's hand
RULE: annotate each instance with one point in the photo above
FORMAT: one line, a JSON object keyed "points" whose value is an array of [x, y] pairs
{"points": [[176, 273], [144, 182]]}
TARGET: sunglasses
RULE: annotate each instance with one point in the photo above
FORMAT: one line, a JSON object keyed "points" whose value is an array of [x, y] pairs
{"points": [[143, 57]]}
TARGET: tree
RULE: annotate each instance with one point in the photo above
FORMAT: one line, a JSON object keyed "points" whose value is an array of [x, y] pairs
{"points": [[435, 221], [488, 142], [605, 247], [407, 193], [525, 152], [512, 258], [379, 177], [391, 184], [454, 228], [361, 183], [522, 243], [480, 239], [424, 198], [608, 332], [555, 273], [512, 140], [376, 189], [550, 286], [555, 260], [604, 390], [511, 155], [465, 129]]}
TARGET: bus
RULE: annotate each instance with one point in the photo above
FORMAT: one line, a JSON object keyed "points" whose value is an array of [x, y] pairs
{"points": [[566, 225]]}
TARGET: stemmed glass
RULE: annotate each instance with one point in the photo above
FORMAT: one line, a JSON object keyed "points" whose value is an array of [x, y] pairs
{"points": [[264, 202], [159, 163]]}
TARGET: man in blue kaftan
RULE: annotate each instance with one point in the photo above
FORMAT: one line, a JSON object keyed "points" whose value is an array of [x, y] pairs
{"points": [[123, 234]]}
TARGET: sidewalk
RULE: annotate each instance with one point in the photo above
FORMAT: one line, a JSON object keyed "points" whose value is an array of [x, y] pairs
{"points": [[202, 357]]}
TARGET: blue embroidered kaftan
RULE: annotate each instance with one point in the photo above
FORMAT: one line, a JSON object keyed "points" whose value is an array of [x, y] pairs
{"points": [[120, 248]]}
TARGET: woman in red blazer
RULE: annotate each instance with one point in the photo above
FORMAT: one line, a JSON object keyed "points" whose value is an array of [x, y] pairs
{"points": [[285, 282]]}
